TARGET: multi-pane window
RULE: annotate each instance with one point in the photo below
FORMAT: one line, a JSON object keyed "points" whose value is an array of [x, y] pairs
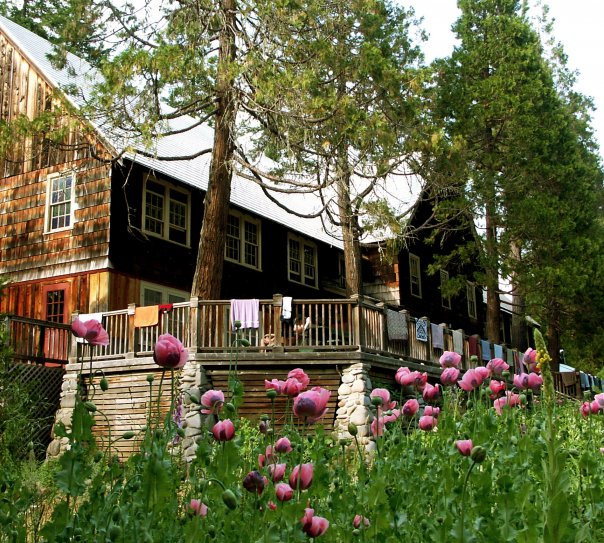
{"points": [[166, 212], [243, 240], [445, 300], [61, 191], [156, 294], [415, 277], [302, 261], [471, 295], [55, 305]]}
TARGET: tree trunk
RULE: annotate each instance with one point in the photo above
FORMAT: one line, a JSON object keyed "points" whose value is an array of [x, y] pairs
{"points": [[519, 327], [350, 229], [492, 273], [207, 280]]}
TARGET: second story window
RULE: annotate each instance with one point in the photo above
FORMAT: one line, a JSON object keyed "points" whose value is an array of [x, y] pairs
{"points": [[243, 240], [166, 212], [60, 202], [471, 295], [445, 300], [415, 277], [302, 261]]}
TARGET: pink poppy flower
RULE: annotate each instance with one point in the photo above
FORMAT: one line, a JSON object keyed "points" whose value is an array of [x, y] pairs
{"points": [[497, 388], [430, 411], [277, 472], [223, 430], [600, 399], [271, 505], [510, 400], [312, 404], [470, 380], [405, 377], [449, 376], [212, 401], [198, 507], [292, 387], [359, 519], [410, 408], [312, 525], [534, 381], [427, 423], [530, 359], [91, 331], [585, 409], [169, 352], [377, 427], [254, 482], [400, 376], [450, 359], [274, 384], [283, 445], [595, 407], [301, 476], [431, 392], [464, 446], [497, 366], [298, 373], [385, 396], [268, 458], [284, 492], [482, 372]]}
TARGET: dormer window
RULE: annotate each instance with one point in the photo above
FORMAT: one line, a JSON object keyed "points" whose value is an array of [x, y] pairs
{"points": [[166, 211], [415, 277]]}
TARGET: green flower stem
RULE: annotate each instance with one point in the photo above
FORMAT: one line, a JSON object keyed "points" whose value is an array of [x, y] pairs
{"points": [[463, 503]]}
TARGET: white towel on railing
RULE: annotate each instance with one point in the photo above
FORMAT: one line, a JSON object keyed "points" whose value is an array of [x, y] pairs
{"points": [[457, 341], [286, 309], [396, 325], [246, 312]]}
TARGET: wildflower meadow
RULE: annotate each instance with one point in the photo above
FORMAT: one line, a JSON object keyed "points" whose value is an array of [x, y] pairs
{"points": [[480, 456]]}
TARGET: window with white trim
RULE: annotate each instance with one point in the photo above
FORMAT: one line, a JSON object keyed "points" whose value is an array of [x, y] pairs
{"points": [[152, 294], [166, 211], [60, 200], [471, 296], [243, 240], [415, 277], [302, 261], [444, 299]]}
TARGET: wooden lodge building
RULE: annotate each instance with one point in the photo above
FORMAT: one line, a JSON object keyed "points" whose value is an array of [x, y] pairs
{"points": [[85, 229]]}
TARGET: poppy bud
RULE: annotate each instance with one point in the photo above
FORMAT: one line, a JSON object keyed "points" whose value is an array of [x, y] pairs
{"points": [[104, 384], [352, 429], [128, 435], [150, 378], [377, 400], [90, 406], [478, 454], [271, 393], [229, 499], [229, 407]]}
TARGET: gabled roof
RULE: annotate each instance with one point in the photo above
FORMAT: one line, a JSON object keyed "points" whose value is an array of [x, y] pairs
{"points": [[245, 194]]}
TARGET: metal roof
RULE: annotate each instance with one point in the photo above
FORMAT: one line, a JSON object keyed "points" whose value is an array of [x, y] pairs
{"points": [[245, 194]]}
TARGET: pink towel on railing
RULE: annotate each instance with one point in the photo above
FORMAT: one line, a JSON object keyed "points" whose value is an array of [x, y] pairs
{"points": [[246, 312]]}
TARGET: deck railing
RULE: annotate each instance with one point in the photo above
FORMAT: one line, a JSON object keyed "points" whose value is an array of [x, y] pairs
{"points": [[356, 323]]}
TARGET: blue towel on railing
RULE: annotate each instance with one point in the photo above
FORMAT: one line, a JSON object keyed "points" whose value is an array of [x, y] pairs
{"points": [[486, 349], [498, 351], [421, 330]]}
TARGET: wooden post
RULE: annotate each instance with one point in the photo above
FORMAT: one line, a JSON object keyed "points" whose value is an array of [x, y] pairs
{"points": [[358, 320], [277, 327], [194, 324], [131, 345], [73, 345]]}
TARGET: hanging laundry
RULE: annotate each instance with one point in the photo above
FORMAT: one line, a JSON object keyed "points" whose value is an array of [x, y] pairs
{"points": [[396, 325], [246, 312], [421, 330], [486, 349], [457, 341], [438, 340]]}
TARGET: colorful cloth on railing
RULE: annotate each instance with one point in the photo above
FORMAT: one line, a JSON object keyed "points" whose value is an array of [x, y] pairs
{"points": [[146, 316], [473, 345], [498, 351], [510, 360], [438, 340], [486, 349], [421, 330], [246, 312], [457, 341], [396, 325]]}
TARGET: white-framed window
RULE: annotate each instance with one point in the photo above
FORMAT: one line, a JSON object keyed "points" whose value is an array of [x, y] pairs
{"points": [[444, 299], [471, 296], [60, 201], [243, 237], [166, 211], [152, 294], [415, 277], [302, 261]]}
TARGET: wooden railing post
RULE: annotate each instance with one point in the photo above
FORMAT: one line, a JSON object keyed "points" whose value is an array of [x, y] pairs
{"points": [[194, 323], [358, 320], [73, 342], [131, 345], [277, 326]]}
